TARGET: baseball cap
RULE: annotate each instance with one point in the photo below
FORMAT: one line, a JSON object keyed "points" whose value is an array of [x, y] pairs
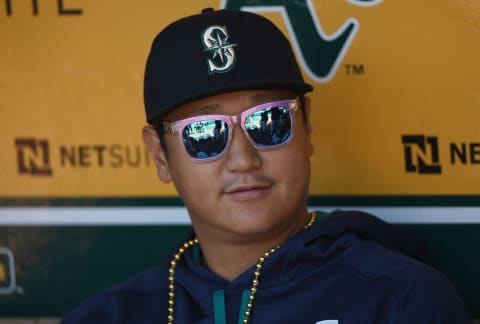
{"points": [[215, 52]]}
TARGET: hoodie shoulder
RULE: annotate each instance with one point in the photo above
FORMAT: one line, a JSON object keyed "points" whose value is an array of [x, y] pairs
{"points": [[377, 250], [421, 294], [424, 294], [135, 299]]}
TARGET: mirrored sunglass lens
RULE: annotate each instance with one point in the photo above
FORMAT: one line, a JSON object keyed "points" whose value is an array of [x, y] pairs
{"points": [[205, 139], [268, 127]]}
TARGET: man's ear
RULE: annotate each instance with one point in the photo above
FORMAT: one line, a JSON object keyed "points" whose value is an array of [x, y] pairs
{"points": [[152, 142]]}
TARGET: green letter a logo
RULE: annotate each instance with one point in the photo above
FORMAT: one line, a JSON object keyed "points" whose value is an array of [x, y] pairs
{"points": [[320, 54]]}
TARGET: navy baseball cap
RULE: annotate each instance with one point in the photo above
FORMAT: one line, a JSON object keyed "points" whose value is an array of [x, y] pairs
{"points": [[215, 52]]}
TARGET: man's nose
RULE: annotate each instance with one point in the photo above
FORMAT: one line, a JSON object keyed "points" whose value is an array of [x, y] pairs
{"points": [[242, 156]]}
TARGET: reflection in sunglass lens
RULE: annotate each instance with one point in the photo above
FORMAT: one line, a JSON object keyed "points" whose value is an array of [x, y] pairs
{"points": [[271, 126], [206, 138]]}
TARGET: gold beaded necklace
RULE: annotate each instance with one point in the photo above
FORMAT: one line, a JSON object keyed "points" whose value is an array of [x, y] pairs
{"points": [[255, 281]]}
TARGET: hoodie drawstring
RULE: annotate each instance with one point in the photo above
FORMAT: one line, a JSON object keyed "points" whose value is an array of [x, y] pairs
{"points": [[219, 306]]}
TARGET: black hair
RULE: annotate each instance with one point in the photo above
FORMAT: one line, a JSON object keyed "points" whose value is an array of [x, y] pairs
{"points": [[157, 124]]}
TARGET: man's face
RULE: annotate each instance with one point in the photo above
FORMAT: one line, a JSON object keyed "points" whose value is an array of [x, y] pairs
{"points": [[247, 192]]}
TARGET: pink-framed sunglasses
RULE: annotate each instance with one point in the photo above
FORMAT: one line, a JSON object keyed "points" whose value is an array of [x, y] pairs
{"points": [[207, 137]]}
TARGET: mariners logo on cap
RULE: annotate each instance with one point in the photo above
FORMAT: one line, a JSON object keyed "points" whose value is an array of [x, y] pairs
{"points": [[215, 40]]}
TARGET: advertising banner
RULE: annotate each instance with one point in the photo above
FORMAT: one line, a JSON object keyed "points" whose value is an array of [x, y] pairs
{"points": [[395, 106]]}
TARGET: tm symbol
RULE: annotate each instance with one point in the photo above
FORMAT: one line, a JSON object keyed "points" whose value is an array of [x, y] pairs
{"points": [[354, 69]]}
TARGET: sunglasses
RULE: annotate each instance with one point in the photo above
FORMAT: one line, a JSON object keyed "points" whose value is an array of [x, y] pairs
{"points": [[207, 137]]}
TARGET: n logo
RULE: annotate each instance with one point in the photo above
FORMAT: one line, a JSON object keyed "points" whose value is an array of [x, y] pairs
{"points": [[215, 40], [421, 154], [320, 54], [33, 156]]}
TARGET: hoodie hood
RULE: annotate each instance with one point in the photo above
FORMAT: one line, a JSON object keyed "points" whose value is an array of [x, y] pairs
{"points": [[371, 228]]}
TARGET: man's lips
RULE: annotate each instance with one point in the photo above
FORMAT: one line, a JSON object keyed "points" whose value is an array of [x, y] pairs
{"points": [[246, 187], [244, 192]]}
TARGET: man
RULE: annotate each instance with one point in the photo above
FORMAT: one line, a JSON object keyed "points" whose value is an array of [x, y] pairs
{"points": [[256, 254]]}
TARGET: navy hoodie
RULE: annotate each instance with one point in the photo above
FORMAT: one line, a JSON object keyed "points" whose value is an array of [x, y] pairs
{"points": [[347, 268]]}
